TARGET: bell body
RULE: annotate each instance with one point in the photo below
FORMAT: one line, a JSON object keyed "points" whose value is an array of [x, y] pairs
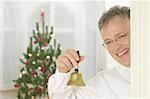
{"points": [[76, 80]]}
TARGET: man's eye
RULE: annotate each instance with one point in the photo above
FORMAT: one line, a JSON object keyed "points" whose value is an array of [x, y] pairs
{"points": [[122, 36], [108, 42]]}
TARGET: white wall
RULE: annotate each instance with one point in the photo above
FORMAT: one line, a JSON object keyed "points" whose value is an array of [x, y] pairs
{"points": [[140, 49]]}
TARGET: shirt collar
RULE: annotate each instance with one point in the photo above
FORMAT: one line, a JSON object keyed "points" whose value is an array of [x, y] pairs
{"points": [[125, 72]]}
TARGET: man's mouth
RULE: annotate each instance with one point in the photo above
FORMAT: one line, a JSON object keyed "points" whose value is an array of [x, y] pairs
{"points": [[123, 52]]}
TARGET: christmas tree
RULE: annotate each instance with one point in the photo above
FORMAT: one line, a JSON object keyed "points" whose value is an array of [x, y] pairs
{"points": [[38, 63]]}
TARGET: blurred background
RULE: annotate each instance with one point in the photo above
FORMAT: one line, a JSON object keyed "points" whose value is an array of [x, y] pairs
{"points": [[75, 26]]}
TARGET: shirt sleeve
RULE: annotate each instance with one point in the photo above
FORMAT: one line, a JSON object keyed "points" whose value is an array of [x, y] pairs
{"points": [[57, 84], [58, 89]]}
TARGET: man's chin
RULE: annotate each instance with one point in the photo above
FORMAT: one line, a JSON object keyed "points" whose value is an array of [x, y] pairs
{"points": [[125, 60], [126, 64]]}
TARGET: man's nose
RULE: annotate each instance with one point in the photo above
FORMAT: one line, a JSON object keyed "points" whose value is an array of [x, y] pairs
{"points": [[117, 45]]}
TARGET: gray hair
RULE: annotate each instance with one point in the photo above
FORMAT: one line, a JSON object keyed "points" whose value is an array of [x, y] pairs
{"points": [[113, 12]]}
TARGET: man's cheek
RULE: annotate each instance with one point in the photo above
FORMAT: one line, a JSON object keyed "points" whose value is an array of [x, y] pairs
{"points": [[111, 52]]}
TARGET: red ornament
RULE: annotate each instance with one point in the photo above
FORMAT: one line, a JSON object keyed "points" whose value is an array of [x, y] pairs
{"points": [[17, 85], [39, 90], [26, 62], [46, 80], [40, 38], [33, 73], [35, 42], [42, 70], [45, 44]]}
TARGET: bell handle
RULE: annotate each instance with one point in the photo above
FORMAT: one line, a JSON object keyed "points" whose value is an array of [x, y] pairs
{"points": [[78, 55], [77, 70]]}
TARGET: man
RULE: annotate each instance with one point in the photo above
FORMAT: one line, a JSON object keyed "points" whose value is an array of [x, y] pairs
{"points": [[112, 83]]}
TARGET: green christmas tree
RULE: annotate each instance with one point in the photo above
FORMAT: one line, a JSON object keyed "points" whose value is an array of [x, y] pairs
{"points": [[39, 63]]}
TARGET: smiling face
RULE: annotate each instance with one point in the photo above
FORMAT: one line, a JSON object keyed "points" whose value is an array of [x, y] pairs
{"points": [[116, 36]]}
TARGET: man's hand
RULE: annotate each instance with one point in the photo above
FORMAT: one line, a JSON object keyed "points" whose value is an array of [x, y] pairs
{"points": [[68, 60]]}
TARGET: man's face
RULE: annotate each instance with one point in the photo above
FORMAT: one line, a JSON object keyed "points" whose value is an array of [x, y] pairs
{"points": [[116, 36]]}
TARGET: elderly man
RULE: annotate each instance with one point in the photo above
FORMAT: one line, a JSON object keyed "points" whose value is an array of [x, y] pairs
{"points": [[112, 83]]}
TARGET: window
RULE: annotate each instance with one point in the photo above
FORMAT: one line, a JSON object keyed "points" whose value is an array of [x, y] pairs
{"points": [[75, 26]]}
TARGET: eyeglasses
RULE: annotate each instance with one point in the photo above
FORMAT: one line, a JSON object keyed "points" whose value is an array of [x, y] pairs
{"points": [[119, 38]]}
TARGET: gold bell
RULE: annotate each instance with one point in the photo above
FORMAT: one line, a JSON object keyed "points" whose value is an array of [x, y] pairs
{"points": [[76, 79]]}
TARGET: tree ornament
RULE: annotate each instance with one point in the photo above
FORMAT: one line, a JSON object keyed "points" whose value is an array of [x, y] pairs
{"points": [[54, 58], [42, 70], [39, 90], [26, 62], [60, 48], [33, 62], [23, 60], [23, 72], [33, 73], [48, 57], [46, 80], [45, 44], [37, 55], [35, 42], [17, 85], [33, 97], [20, 75], [39, 68], [29, 54], [42, 48]]}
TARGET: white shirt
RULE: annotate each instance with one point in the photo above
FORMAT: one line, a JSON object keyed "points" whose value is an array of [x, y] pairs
{"points": [[107, 84]]}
